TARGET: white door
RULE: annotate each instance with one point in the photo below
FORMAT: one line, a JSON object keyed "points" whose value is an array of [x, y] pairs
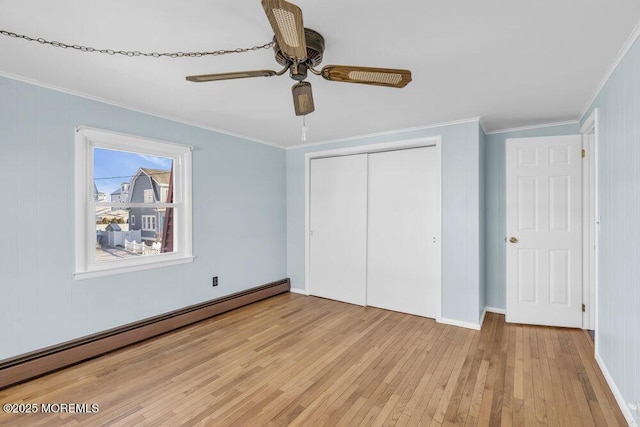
{"points": [[338, 228], [544, 231], [403, 272]]}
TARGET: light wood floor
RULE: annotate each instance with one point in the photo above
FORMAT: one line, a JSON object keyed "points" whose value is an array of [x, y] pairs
{"points": [[309, 361]]}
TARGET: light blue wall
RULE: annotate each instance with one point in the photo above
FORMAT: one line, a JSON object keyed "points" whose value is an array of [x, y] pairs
{"points": [[460, 216], [495, 221], [618, 329], [239, 221]]}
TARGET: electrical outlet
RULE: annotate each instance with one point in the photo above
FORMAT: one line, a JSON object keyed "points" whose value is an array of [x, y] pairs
{"points": [[215, 281]]}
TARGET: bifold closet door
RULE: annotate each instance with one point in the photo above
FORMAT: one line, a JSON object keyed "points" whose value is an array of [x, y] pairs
{"points": [[403, 263], [338, 228]]}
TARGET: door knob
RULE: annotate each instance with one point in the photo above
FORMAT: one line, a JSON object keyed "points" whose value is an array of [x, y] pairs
{"points": [[513, 240]]}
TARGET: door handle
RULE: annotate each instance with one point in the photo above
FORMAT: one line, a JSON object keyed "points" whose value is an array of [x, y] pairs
{"points": [[513, 240]]}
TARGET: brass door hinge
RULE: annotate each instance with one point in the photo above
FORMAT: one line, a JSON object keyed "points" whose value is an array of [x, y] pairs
{"points": [[583, 153], [584, 308]]}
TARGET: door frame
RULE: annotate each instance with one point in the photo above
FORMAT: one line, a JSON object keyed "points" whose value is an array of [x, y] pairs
{"points": [[591, 223], [432, 141]]}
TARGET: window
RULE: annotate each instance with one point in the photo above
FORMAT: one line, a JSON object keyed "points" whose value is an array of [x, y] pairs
{"points": [[148, 222], [108, 240], [148, 196]]}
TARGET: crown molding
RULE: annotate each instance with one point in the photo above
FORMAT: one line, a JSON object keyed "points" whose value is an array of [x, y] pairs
{"points": [[130, 108], [545, 125], [618, 59]]}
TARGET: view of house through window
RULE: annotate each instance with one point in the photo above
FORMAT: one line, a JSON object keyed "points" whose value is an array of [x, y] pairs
{"points": [[131, 193]]}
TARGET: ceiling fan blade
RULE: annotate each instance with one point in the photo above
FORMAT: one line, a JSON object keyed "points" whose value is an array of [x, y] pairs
{"points": [[230, 76], [367, 75], [302, 98], [286, 20]]}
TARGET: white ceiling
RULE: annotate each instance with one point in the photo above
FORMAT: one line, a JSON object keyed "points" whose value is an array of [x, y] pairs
{"points": [[511, 62]]}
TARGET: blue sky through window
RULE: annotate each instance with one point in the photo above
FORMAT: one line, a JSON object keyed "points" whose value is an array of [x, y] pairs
{"points": [[112, 167]]}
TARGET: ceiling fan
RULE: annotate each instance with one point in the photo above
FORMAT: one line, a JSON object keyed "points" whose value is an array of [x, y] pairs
{"points": [[299, 50]]}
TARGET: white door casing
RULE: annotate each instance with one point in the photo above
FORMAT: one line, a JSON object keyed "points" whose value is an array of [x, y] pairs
{"points": [[404, 199], [338, 228], [544, 230], [591, 222], [588, 235]]}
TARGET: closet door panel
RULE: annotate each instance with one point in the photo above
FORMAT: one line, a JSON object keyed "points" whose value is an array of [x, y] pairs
{"points": [[338, 228], [403, 270]]}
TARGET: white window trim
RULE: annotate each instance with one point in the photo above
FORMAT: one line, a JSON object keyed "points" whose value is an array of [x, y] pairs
{"points": [[86, 140], [146, 224]]}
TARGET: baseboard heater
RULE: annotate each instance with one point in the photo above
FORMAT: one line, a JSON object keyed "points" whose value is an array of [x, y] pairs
{"points": [[39, 362]]}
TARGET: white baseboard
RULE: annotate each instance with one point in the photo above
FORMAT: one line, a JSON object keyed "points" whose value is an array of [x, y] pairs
{"points": [[495, 310], [460, 323], [626, 411], [298, 291], [484, 313]]}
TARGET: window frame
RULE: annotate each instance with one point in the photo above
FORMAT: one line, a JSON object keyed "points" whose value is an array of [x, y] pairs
{"points": [[150, 219], [87, 139]]}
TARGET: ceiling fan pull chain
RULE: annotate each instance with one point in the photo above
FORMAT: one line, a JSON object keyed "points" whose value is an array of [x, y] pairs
{"points": [[136, 52], [305, 128]]}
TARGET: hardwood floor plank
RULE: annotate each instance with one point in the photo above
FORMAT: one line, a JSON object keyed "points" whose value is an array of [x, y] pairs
{"points": [[506, 419], [596, 380], [547, 384], [418, 402], [297, 360], [451, 382], [462, 412], [412, 378], [565, 373], [576, 380], [452, 410], [529, 393], [439, 380], [491, 405], [536, 372]]}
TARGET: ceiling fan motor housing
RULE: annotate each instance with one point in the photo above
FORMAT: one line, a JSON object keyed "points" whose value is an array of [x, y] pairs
{"points": [[298, 71], [315, 50]]}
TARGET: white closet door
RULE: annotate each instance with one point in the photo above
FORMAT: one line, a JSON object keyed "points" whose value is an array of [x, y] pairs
{"points": [[404, 204], [338, 228]]}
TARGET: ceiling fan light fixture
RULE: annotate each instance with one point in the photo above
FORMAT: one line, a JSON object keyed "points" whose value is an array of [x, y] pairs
{"points": [[302, 98]]}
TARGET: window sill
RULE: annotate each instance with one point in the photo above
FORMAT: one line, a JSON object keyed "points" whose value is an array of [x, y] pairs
{"points": [[110, 270]]}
